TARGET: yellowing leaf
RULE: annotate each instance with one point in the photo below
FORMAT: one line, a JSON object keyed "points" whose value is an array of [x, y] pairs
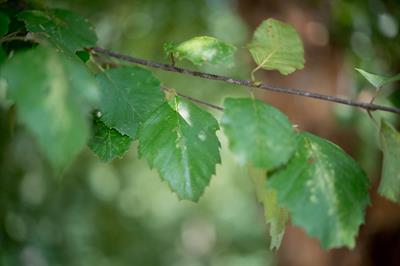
{"points": [[277, 46], [275, 215], [389, 186]]}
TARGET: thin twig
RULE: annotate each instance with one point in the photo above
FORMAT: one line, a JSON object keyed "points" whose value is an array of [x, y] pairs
{"points": [[29, 37], [216, 107], [246, 83], [190, 98]]}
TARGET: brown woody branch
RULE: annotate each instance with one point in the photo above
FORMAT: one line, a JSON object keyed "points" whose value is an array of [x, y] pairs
{"points": [[246, 83]]}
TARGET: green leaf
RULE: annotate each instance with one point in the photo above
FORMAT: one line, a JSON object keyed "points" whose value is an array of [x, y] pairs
{"points": [[179, 140], [169, 47], [325, 191], [107, 142], [277, 46], [275, 215], [3, 55], [53, 98], [83, 55], [394, 98], [258, 133], [4, 22], [389, 186], [66, 28], [204, 49], [376, 80], [127, 95]]}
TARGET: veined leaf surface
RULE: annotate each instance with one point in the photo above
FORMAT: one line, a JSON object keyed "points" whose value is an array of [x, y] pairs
{"points": [[325, 191], [277, 46], [179, 140]]}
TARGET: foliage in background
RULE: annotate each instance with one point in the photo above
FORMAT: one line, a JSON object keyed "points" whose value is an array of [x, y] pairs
{"points": [[179, 149], [118, 213]]}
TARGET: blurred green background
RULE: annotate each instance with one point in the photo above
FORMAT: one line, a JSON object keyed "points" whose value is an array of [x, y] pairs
{"points": [[121, 213]]}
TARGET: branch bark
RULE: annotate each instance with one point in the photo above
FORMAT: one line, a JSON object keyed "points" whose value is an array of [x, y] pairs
{"points": [[246, 83]]}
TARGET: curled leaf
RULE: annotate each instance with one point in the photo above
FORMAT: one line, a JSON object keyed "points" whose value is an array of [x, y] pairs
{"points": [[377, 80]]}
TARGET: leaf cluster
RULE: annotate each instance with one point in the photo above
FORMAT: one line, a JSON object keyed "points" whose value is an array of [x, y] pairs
{"points": [[69, 98]]}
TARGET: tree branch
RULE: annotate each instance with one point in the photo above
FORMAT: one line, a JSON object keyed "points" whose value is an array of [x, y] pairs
{"points": [[190, 98], [246, 83]]}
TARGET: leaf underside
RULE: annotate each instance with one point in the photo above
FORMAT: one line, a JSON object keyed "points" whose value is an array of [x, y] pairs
{"points": [[377, 80], [277, 46], [107, 142]]}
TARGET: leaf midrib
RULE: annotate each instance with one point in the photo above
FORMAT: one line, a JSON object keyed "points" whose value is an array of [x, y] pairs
{"points": [[184, 152]]}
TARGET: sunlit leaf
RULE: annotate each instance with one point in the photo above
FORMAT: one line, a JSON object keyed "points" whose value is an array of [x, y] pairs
{"points": [[275, 215], [389, 186], [277, 46], [107, 142], [4, 22], [127, 95], [258, 133], [325, 191], [53, 97], [204, 49], [67, 28], [377, 80], [179, 140]]}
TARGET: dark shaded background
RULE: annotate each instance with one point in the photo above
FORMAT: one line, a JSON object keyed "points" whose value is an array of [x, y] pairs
{"points": [[122, 214]]}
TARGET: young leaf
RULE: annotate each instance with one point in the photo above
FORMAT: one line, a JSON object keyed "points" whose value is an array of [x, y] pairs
{"points": [[127, 94], [258, 133], [179, 140], [107, 142], [376, 80], [277, 46], [169, 47], [204, 49], [4, 22], [53, 98], [275, 215], [325, 191], [66, 28], [389, 186]]}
